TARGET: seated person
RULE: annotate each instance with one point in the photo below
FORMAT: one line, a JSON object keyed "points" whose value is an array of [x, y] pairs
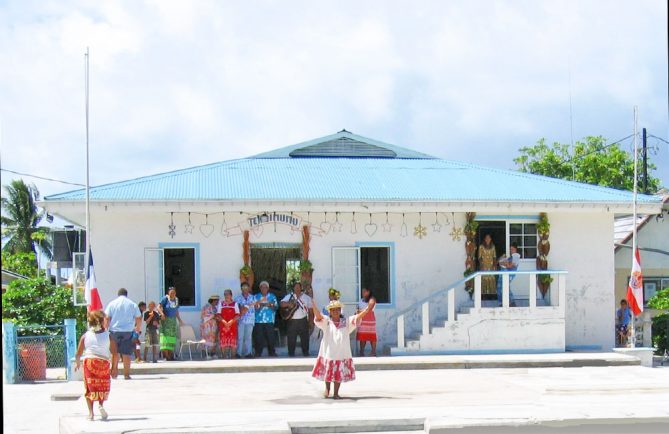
{"points": [[508, 264], [623, 318]]}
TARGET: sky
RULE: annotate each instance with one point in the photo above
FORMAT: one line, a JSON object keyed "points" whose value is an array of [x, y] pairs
{"points": [[180, 84]]}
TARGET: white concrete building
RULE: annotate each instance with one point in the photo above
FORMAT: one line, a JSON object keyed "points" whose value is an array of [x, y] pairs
{"points": [[379, 216]]}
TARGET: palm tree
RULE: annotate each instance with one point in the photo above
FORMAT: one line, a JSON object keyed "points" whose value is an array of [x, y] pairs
{"points": [[20, 217]]}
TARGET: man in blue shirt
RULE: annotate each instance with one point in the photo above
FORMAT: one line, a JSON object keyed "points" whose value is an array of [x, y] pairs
{"points": [[246, 302], [623, 319], [123, 317], [265, 307]]}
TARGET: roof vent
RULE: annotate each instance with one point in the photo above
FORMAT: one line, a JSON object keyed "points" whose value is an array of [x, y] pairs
{"points": [[343, 147]]}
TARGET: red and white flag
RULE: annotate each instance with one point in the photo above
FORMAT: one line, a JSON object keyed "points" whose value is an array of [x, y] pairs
{"points": [[635, 287], [92, 296]]}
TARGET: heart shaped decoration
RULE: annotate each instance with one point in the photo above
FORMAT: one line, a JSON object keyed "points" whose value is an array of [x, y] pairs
{"points": [[207, 230], [370, 229], [257, 231], [325, 227]]}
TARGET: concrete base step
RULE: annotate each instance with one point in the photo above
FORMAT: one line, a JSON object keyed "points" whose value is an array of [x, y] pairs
{"points": [[396, 426]]}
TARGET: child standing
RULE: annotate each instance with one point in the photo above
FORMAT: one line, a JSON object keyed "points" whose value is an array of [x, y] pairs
{"points": [[135, 336], [152, 321], [96, 348]]}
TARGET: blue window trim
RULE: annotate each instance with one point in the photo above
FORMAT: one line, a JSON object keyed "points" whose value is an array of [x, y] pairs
{"points": [[391, 247], [196, 247]]}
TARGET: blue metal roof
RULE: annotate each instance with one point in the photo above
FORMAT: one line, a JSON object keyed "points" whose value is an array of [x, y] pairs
{"points": [[275, 176]]}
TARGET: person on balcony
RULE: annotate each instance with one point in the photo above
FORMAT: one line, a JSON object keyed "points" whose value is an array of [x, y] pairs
{"points": [[487, 256], [508, 264]]}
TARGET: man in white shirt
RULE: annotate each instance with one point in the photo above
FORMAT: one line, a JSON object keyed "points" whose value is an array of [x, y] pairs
{"points": [[511, 264], [298, 324], [123, 317]]}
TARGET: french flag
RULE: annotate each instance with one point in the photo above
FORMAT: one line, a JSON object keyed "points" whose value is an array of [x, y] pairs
{"points": [[92, 296], [635, 287]]}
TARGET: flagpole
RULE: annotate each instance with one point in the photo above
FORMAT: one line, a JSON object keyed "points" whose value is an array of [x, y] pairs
{"points": [[634, 219], [88, 193]]}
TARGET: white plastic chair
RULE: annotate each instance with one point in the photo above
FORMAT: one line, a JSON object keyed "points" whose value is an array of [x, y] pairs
{"points": [[188, 338]]}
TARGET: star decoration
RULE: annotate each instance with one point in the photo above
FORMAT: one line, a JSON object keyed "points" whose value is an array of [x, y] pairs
{"points": [[189, 226], [386, 227], [172, 230], [336, 226], [436, 227], [456, 233], [420, 231]]}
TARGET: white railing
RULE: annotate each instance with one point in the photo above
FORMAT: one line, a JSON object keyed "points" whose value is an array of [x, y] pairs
{"points": [[451, 292]]}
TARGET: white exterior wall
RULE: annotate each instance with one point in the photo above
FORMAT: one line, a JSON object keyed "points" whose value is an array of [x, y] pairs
{"points": [[581, 244]]}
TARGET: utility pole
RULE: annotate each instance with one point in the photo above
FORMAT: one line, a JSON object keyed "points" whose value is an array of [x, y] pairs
{"points": [[645, 160]]}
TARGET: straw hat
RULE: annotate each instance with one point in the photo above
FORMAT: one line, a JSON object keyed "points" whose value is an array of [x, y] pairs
{"points": [[214, 297], [335, 304]]}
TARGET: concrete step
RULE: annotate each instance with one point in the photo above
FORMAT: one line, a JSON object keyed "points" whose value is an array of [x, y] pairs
{"points": [[414, 426]]}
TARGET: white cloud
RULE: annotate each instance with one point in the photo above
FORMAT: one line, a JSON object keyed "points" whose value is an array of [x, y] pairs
{"points": [[184, 83]]}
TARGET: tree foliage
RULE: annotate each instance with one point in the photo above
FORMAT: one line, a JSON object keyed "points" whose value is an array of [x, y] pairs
{"points": [[20, 219], [21, 263], [660, 322], [591, 161], [37, 301]]}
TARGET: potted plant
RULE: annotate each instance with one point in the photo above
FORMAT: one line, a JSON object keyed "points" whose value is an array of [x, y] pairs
{"points": [[246, 275], [306, 272], [544, 281], [543, 227], [469, 285]]}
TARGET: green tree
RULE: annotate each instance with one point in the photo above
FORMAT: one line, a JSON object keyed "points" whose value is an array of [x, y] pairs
{"points": [[21, 263], [37, 301], [20, 220], [660, 326], [591, 161]]}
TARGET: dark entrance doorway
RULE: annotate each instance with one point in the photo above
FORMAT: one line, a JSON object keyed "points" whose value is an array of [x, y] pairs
{"points": [[279, 265], [497, 231]]}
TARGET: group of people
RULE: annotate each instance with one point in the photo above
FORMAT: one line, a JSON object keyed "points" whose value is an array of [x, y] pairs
{"points": [[243, 326], [231, 323]]}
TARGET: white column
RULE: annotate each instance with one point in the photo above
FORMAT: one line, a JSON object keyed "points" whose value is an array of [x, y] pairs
{"points": [[451, 305], [400, 331], [426, 318], [562, 288], [477, 292], [505, 290], [533, 290]]}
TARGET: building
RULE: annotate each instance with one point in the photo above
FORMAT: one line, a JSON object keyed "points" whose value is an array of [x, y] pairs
{"points": [[376, 215], [653, 242]]}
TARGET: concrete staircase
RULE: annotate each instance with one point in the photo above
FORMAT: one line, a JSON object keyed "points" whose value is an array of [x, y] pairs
{"points": [[470, 326]]}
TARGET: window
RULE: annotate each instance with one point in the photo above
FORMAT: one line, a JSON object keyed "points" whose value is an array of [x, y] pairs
{"points": [[375, 272], [505, 232], [179, 272], [354, 268], [525, 235], [651, 285]]}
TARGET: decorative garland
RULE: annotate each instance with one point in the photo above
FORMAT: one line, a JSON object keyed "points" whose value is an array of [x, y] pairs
{"points": [[306, 268], [543, 248], [246, 272], [470, 249]]}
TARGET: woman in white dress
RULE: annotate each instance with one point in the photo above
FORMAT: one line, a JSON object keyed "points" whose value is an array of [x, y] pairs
{"points": [[335, 362]]}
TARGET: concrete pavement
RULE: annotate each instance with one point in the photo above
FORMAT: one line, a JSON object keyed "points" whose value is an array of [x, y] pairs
{"points": [[469, 400]]}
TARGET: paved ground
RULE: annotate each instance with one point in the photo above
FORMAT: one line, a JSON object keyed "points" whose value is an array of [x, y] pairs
{"points": [[607, 399]]}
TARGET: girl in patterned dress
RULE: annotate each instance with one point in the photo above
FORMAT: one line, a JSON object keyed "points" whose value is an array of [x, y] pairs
{"points": [[335, 362], [367, 328], [96, 348], [227, 328]]}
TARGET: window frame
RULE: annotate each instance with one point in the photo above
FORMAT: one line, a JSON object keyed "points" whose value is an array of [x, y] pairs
{"points": [[196, 273], [508, 220]]}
